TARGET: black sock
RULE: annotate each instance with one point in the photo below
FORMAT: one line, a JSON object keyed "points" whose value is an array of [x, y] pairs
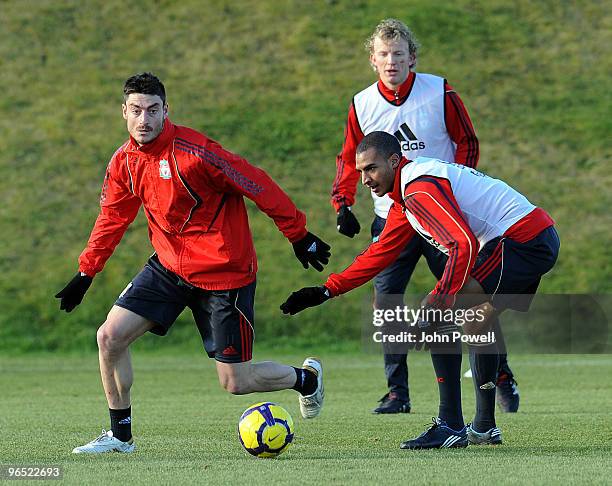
{"points": [[305, 381], [121, 423], [448, 374], [484, 376], [501, 346]]}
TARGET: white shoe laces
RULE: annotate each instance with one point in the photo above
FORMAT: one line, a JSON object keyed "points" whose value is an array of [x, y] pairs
{"points": [[103, 437], [309, 401]]}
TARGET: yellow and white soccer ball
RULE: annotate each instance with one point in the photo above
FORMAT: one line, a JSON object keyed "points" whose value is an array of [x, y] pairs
{"points": [[265, 429]]}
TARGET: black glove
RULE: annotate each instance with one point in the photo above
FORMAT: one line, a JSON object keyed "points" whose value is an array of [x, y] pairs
{"points": [[73, 293], [313, 250], [420, 329], [347, 222], [431, 328], [304, 298]]}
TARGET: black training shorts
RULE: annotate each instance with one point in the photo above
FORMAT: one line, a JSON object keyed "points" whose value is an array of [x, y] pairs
{"points": [[224, 318], [510, 271]]}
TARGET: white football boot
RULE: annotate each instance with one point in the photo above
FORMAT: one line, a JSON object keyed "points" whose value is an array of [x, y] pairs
{"points": [[105, 442], [310, 405], [490, 437]]}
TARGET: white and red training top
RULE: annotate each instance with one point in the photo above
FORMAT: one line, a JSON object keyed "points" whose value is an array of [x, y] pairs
{"points": [[455, 208], [425, 114]]}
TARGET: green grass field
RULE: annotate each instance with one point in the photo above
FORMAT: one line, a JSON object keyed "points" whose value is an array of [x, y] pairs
{"points": [[272, 80], [185, 425]]}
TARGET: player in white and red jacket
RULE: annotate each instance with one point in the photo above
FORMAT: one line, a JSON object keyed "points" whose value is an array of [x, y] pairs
{"points": [[498, 245], [429, 119], [422, 110], [456, 209], [449, 134]]}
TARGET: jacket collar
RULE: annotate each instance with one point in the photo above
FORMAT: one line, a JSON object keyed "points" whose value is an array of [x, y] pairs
{"points": [[396, 193], [400, 95], [155, 146]]}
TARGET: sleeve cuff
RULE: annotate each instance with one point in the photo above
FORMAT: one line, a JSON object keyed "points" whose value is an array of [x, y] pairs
{"points": [[333, 291], [87, 271], [299, 236]]}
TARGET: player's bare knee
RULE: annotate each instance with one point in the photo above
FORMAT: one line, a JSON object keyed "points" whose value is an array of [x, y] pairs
{"points": [[235, 386], [236, 379], [110, 339]]}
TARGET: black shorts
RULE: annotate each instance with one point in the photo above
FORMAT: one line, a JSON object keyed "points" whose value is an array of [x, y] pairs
{"points": [[225, 318], [510, 271]]}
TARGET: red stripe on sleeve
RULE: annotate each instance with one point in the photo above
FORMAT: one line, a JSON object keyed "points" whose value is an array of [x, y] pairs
{"points": [[434, 207], [229, 173], [460, 128], [344, 187]]}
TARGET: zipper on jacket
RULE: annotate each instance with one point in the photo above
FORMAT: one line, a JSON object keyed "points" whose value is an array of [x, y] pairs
{"points": [[221, 203], [194, 195]]}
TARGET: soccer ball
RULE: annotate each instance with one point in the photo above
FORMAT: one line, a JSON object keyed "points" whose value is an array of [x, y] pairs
{"points": [[265, 429]]}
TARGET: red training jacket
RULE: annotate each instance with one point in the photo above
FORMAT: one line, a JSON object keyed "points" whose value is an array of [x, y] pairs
{"points": [[192, 191]]}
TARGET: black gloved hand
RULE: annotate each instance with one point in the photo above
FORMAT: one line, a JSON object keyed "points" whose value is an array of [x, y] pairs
{"points": [[347, 222], [311, 249], [431, 327], [304, 298], [73, 293], [420, 329]]}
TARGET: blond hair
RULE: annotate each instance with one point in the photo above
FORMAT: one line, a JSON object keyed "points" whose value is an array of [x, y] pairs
{"points": [[392, 29]]}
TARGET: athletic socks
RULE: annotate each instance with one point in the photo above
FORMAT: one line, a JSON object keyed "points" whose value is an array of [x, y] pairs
{"points": [[305, 382], [503, 363], [501, 345], [121, 423], [485, 362], [448, 374], [484, 375]]}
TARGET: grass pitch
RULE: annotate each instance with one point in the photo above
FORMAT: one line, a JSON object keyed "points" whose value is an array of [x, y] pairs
{"points": [[185, 425], [272, 81]]}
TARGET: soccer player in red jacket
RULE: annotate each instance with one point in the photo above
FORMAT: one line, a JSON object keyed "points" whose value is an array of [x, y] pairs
{"points": [[429, 119], [192, 191], [498, 245]]}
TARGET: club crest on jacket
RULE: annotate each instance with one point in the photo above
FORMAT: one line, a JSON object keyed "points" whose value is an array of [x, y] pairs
{"points": [[164, 169]]}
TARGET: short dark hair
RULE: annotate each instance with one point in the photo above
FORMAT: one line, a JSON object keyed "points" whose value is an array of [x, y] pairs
{"points": [[384, 143], [144, 83]]}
